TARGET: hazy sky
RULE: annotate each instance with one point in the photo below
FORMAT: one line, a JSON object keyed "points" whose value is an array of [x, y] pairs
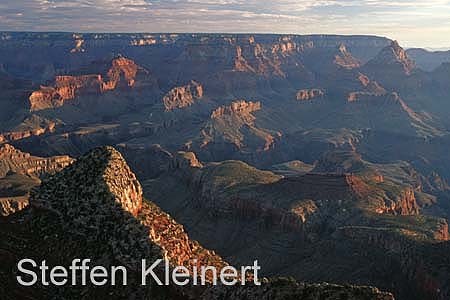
{"points": [[412, 22]]}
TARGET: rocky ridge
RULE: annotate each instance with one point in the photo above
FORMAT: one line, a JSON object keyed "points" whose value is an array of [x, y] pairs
{"points": [[121, 74], [97, 202], [394, 59], [100, 185]]}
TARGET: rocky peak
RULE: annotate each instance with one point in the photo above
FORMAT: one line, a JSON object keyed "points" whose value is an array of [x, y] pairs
{"points": [[398, 51], [183, 96], [100, 176], [394, 55], [99, 200]]}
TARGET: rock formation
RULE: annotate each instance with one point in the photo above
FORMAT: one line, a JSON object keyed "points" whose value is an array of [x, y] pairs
{"points": [[370, 88], [95, 207], [227, 124], [237, 107], [310, 94], [100, 185], [10, 136], [19, 172], [183, 96], [345, 59], [14, 160], [12, 205], [391, 119], [393, 59], [255, 58], [122, 73], [403, 204]]}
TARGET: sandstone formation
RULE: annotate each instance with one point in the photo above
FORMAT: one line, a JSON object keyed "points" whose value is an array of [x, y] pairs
{"points": [[14, 160], [31, 126], [19, 172], [285, 213], [122, 74], [183, 96], [258, 62], [227, 125], [260, 58], [237, 107], [404, 204], [345, 59], [18, 135], [11, 205], [310, 94]]}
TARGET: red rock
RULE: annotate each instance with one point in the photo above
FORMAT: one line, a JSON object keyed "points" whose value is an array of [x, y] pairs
{"points": [[183, 96], [122, 74]]}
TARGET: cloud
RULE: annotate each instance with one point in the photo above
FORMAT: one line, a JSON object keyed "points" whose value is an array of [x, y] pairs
{"points": [[414, 22]]}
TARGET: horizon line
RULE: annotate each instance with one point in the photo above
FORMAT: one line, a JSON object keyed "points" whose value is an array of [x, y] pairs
{"points": [[432, 49]]}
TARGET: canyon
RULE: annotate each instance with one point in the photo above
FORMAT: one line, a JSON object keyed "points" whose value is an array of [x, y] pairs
{"points": [[323, 156]]}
